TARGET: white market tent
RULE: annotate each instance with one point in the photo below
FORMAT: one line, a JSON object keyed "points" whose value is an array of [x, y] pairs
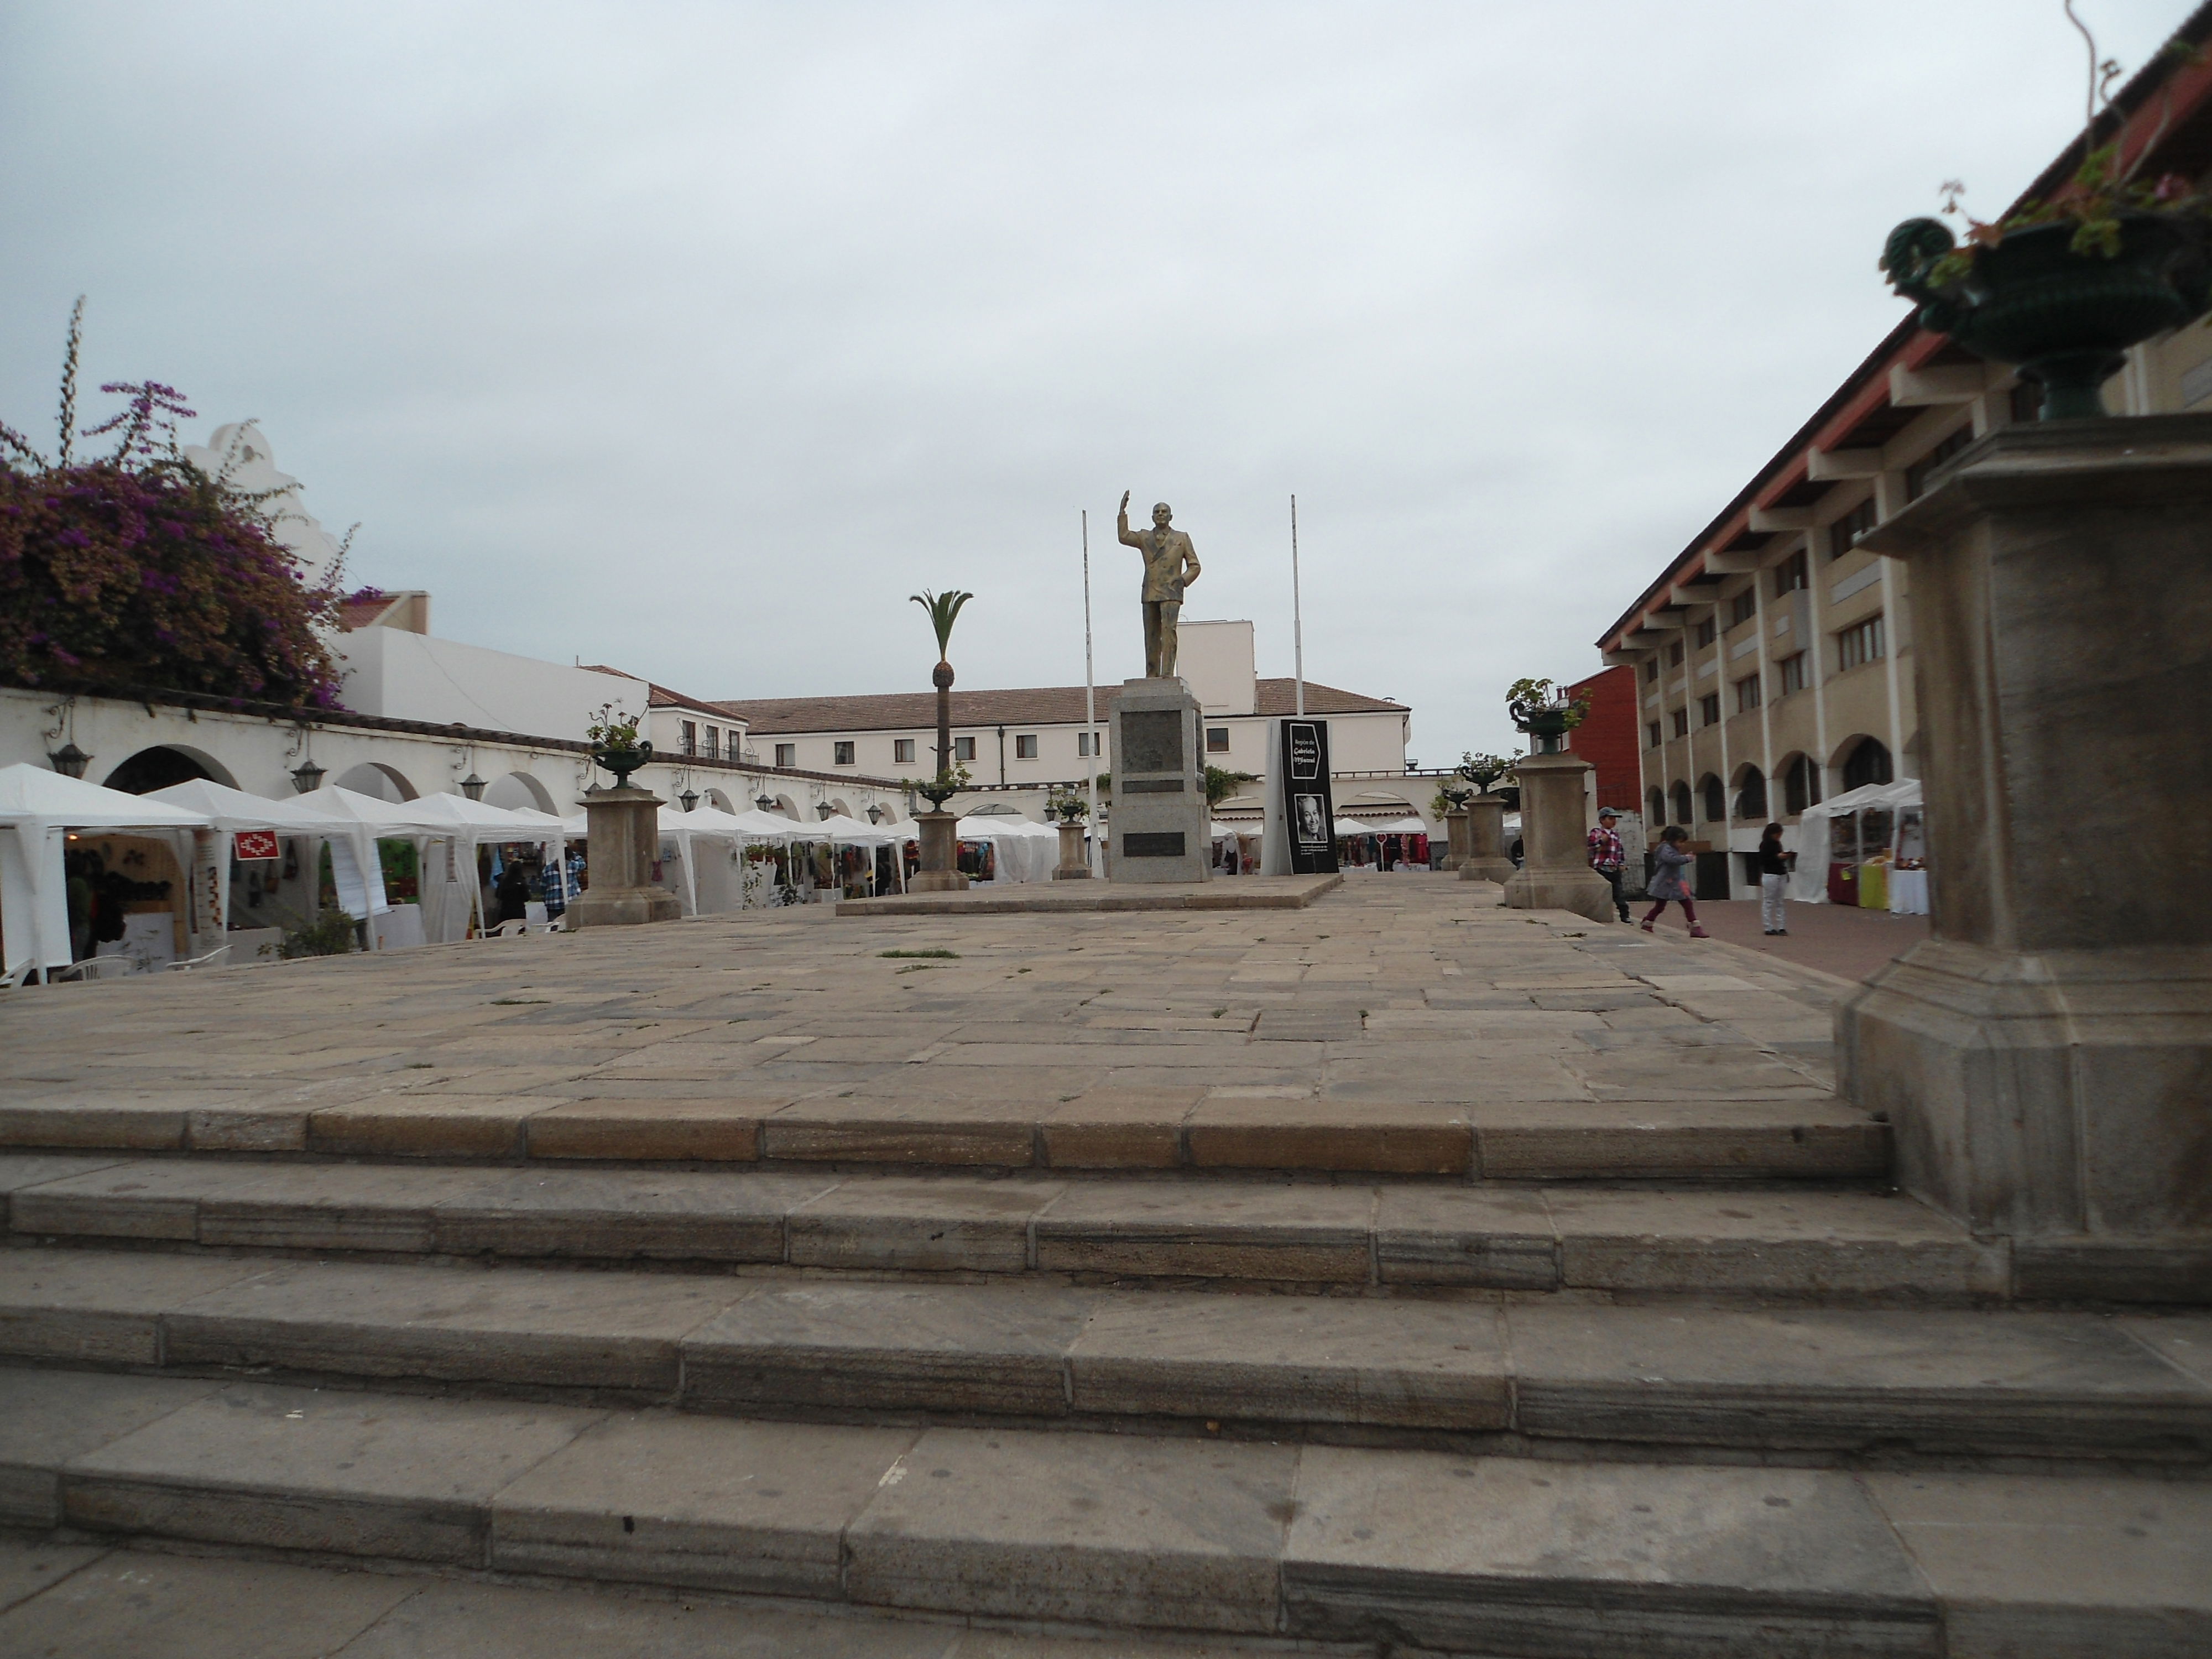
{"points": [[230, 811], [37, 808], [1809, 885], [369, 820], [1344, 827], [1023, 851]]}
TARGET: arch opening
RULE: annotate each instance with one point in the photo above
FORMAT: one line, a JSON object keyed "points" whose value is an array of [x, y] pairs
{"points": [[1868, 761], [1684, 812], [164, 764], [519, 791], [1800, 783], [375, 778], [1750, 793], [1712, 796]]}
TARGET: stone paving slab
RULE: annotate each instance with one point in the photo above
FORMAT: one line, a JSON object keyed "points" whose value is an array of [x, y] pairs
{"points": [[1490, 1556], [88, 1601], [1109, 1530], [1244, 893], [670, 1500], [958, 1348], [384, 1475], [135, 1604]]}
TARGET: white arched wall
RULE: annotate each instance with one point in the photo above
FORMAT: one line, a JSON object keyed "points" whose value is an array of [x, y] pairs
{"points": [[375, 778], [519, 791]]}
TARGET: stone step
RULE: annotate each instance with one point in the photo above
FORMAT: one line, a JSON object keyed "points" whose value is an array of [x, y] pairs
{"points": [[1806, 1136], [1394, 1550], [1819, 1246], [1902, 1384], [74, 1597], [71, 1597]]}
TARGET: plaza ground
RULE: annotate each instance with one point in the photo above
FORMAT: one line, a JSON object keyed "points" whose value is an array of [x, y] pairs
{"points": [[1834, 938], [1401, 1273]]}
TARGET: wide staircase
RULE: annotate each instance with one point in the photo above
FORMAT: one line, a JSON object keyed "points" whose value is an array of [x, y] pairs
{"points": [[1675, 1381]]}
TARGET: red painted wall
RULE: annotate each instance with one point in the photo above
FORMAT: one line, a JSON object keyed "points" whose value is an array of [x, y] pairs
{"points": [[1608, 739]]}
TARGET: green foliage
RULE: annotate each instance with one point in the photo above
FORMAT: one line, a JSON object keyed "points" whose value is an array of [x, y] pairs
{"points": [[1221, 783], [945, 956], [330, 934], [944, 610], [139, 570], [1068, 806], [613, 729], [1526, 697], [941, 789], [2102, 188], [1485, 770]]}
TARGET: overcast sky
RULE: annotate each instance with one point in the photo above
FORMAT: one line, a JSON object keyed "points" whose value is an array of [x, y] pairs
{"points": [[693, 339]]}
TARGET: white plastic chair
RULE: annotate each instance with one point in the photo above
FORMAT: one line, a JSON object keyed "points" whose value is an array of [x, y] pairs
{"points": [[215, 959]]}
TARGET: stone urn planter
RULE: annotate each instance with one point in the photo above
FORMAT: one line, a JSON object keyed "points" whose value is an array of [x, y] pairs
{"points": [[622, 762], [1547, 727], [2064, 314]]}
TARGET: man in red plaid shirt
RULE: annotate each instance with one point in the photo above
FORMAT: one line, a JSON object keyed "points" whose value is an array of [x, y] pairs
{"points": [[1606, 855]]}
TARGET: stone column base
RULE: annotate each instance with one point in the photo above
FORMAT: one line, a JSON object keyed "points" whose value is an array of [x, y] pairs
{"points": [[1071, 866], [2062, 1100], [623, 907], [940, 855], [1585, 892], [1497, 870]]}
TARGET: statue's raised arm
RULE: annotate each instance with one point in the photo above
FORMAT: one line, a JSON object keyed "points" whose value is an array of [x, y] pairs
{"points": [[1122, 524]]}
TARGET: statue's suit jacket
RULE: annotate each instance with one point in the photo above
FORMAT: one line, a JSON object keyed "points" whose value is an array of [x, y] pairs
{"points": [[1166, 553]]}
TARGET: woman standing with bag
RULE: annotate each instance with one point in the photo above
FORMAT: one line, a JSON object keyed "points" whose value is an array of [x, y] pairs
{"points": [[1666, 881]]}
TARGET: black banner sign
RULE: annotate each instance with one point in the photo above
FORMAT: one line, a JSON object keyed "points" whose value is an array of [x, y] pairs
{"points": [[1306, 799]]}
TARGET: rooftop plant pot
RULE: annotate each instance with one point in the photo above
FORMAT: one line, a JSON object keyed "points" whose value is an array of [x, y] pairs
{"points": [[623, 762], [2065, 319]]}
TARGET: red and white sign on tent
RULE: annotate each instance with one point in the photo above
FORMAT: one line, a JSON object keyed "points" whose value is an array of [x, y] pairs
{"points": [[256, 844]]}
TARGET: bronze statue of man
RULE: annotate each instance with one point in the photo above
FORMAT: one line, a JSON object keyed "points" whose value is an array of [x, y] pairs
{"points": [[1170, 566]]}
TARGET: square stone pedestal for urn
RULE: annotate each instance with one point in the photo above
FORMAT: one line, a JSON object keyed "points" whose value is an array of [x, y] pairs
{"points": [[2044, 1058], [1159, 822], [624, 827]]}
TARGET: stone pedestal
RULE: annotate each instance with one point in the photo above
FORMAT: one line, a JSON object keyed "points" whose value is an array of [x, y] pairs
{"points": [[625, 836], [1456, 840], [2045, 1058], [1072, 866], [1486, 858], [1555, 872], [940, 855], [1159, 784]]}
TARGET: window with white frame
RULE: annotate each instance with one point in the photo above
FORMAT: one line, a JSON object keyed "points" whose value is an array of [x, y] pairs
{"points": [[786, 754], [1025, 745], [841, 752], [902, 751]]}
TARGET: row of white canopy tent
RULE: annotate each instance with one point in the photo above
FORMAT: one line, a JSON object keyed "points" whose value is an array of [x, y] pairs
{"points": [[39, 808], [1025, 851]]}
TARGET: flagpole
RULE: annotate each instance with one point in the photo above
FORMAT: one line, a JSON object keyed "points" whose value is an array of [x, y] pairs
{"points": [[1297, 616], [1090, 697]]}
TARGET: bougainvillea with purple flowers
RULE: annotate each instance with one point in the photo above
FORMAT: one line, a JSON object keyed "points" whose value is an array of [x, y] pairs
{"points": [[141, 571]]}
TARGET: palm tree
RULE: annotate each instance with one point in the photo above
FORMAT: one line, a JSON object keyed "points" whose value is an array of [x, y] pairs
{"points": [[944, 610]]}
